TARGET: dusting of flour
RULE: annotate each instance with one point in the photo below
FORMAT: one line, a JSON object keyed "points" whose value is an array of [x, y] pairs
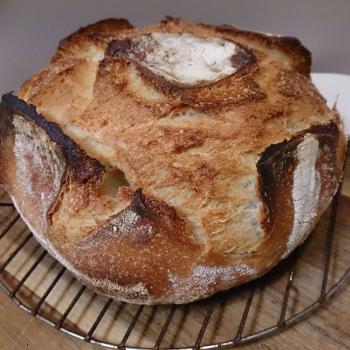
{"points": [[133, 293], [306, 191], [184, 58], [40, 165], [124, 221], [204, 276]]}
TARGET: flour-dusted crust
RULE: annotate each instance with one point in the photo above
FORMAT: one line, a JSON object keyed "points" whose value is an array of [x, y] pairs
{"points": [[164, 164]]}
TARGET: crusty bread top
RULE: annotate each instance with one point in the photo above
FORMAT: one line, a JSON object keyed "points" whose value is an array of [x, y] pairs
{"points": [[191, 145], [128, 117]]}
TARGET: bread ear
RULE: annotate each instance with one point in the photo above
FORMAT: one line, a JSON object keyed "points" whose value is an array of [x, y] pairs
{"points": [[287, 50], [37, 158], [295, 178]]}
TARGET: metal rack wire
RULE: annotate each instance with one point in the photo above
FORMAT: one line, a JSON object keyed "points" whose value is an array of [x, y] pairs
{"points": [[14, 284]]}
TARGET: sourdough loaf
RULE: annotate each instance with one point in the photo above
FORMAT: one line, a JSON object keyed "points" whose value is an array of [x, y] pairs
{"points": [[164, 164]]}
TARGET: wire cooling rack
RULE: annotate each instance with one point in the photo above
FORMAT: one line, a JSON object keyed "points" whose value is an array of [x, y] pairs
{"points": [[289, 293]]}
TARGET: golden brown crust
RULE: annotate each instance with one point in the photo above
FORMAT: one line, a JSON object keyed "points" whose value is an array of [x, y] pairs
{"points": [[215, 172]]}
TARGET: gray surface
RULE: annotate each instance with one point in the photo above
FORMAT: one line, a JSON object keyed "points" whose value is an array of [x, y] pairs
{"points": [[31, 29]]}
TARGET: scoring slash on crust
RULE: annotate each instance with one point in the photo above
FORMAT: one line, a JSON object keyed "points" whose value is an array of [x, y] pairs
{"points": [[167, 163], [182, 58]]}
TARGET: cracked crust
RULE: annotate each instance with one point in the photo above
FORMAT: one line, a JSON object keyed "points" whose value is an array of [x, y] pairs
{"points": [[212, 171]]}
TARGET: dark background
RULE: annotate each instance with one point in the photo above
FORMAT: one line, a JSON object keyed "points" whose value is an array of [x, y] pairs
{"points": [[30, 29]]}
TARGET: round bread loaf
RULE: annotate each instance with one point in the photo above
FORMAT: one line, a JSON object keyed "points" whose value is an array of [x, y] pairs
{"points": [[167, 163]]}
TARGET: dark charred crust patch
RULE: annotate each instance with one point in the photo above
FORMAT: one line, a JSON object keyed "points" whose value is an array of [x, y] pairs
{"points": [[138, 204], [83, 167], [326, 130], [6, 120], [118, 48], [242, 58]]}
